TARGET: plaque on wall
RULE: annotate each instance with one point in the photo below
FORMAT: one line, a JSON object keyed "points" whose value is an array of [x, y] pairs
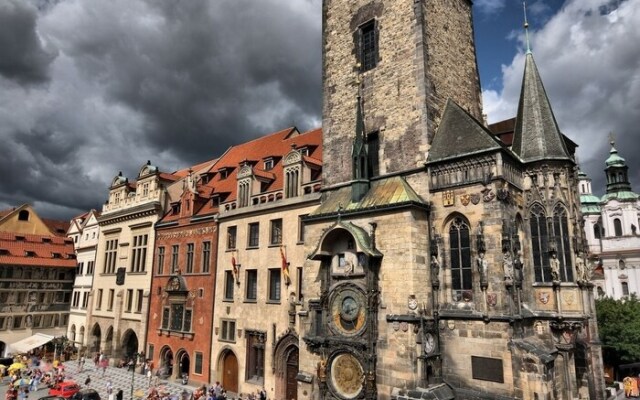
{"points": [[448, 198], [487, 369]]}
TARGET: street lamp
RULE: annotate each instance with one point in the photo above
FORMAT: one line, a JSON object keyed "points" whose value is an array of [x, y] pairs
{"points": [[133, 371]]}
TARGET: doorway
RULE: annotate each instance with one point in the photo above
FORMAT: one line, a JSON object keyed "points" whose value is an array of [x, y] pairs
{"points": [[230, 372]]}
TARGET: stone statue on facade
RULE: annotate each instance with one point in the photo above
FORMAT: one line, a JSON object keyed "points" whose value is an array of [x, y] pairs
{"points": [[554, 263], [582, 271], [518, 269], [507, 266], [435, 270], [483, 269]]}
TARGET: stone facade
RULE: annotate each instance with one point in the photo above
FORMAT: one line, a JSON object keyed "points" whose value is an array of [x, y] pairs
{"points": [[426, 54], [84, 231]]}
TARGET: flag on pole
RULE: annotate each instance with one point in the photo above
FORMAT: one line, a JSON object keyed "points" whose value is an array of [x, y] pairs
{"points": [[235, 266], [285, 267]]}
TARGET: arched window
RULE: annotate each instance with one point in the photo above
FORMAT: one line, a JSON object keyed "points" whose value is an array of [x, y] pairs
{"points": [[617, 226], [563, 243], [539, 244], [625, 288], [23, 215], [460, 251], [596, 231]]}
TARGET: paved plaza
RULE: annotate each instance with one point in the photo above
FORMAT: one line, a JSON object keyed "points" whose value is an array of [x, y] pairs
{"points": [[120, 378]]}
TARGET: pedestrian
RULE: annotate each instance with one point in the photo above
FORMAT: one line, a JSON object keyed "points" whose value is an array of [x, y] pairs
{"points": [[104, 363], [87, 381], [119, 395], [217, 389], [81, 363], [149, 376], [262, 394], [96, 359]]}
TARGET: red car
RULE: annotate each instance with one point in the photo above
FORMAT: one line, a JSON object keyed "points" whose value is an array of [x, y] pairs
{"points": [[65, 389]]}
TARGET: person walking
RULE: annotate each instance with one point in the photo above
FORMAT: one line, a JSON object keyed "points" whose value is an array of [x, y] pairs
{"points": [[81, 363]]}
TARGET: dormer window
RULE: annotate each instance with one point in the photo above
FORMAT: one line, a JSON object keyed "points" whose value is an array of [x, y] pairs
{"points": [[304, 151], [29, 253], [175, 208], [145, 190], [224, 173], [20, 238], [4, 252], [116, 198], [56, 255], [268, 164]]}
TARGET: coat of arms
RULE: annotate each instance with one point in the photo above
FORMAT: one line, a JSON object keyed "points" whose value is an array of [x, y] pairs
{"points": [[492, 299], [475, 198], [544, 297], [465, 199], [569, 298]]}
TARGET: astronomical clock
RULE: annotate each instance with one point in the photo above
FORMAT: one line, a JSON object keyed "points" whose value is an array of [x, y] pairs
{"points": [[344, 330]]}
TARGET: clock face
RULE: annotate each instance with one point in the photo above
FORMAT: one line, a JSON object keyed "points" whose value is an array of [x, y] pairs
{"points": [[429, 343], [347, 376], [348, 313]]}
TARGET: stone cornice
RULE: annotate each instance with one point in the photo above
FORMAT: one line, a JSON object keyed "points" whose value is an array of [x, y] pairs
{"points": [[141, 211]]}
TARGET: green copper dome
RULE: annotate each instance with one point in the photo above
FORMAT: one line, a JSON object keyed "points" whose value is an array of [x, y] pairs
{"points": [[589, 204], [614, 159], [620, 196]]}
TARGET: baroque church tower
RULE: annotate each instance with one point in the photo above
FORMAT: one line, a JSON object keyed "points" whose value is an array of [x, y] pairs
{"points": [[442, 259]]}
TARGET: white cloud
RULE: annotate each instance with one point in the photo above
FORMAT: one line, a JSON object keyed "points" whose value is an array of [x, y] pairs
{"points": [[588, 58], [489, 6]]}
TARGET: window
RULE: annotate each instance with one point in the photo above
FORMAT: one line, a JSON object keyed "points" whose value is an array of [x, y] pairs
{"points": [[180, 318], [299, 283], [301, 228], [139, 256], [563, 243], [268, 164], [276, 232], [129, 300], [617, 227], [243, 194], [110, 256], [174, 258], [79, 268], [460, 251], [255, 356], [76, 300], [98, 299], [189, 266], [85, 300], [165, 318], [596, 231], [625, 288], [274, 284], [254, 235], [17, 321], [160, 269], [90, 267], [23, 215], [228, 285], [373, 147], [252, 285], [110, 299], [231, 237], [139, 298], [198, 367], [539, 242], [228, 330], [291, 183], [206, 256], [368, 46], [145, 189]]}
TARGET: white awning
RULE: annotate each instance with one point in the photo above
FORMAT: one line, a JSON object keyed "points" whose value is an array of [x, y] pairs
{"points": [[26, 344]]}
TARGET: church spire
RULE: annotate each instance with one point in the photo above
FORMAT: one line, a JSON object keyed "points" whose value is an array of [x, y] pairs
{"points": [[360, 175], [617, 171]]}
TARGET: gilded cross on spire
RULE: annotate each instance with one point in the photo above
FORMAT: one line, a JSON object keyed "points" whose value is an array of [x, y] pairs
{"points": [[612, 139], [526, 27]]}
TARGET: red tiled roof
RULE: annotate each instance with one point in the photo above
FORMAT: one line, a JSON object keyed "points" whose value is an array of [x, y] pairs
{"points": [[58, 228], [275, 144], [41, 247], [168, 177]]}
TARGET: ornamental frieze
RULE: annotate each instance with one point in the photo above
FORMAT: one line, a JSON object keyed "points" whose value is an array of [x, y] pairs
{"points": [[187, 233]]}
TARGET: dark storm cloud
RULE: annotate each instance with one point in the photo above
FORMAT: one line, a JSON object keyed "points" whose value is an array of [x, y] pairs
{"points": [[22, 56], [176, 82]]}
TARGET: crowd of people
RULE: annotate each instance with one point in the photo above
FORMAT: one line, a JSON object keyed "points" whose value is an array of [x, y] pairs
{"points": [[28, 372]]}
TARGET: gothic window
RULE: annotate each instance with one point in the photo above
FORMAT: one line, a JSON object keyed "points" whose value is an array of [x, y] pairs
{"points": [[617, 226], [563, 243], [291, 183], [368, 46], [255, 356], [180, 318], [539, 244], [243, 194], [460, 251]]}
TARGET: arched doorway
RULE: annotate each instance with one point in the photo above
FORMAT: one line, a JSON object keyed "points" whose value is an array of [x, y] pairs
{"points": [[166, 362], [72, 333], [96, 338], [129, 344], [291, 374], [230, 372], [184, 364], [3, 347], [108, 343]]}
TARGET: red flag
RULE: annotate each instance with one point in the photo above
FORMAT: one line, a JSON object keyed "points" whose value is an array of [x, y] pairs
{"points": [[235, 267], [285, 267]]}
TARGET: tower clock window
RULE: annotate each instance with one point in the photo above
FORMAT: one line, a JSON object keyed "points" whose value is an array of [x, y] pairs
{"points": [[368, 46]]}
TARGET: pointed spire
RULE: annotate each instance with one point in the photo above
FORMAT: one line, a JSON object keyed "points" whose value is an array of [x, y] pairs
{"points": [[359, 159], [526, 27], [537, 136]]}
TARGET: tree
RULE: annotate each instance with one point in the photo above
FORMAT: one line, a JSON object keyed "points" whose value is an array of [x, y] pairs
{"points": [[619, 328]]}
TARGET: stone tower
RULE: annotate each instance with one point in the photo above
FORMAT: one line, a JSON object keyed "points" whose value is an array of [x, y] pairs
{"points": [[408, 56]]}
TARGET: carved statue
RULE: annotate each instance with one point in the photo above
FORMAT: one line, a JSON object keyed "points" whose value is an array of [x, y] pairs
{"points": [[517, 269], [435, 269], [322, 370], [554, 263], [483, 268], [581, 269], [507, 266]]}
